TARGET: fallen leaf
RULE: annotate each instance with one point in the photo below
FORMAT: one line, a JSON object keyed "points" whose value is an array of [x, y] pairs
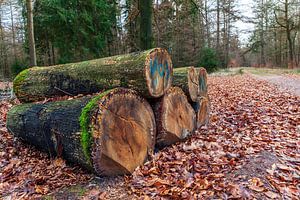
{"points": [[271, 195]]}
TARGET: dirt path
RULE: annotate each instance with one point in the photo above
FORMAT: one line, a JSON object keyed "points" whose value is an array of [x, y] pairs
{"points": [[289, 83]]}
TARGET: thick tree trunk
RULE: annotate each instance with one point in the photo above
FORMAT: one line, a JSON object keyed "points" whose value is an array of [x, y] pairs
{"points": [[149, 72], [193, 82], [145, 7], [175, 117], [111, 133]]}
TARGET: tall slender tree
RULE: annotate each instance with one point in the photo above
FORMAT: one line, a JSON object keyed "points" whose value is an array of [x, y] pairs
{"points": [[32, 51]]}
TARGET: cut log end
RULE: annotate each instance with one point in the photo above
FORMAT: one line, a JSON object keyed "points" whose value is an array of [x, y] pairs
{"points": [[203, 112], [159, 71], [193, 84], [202, 82], [177, 118], [123, 131]]}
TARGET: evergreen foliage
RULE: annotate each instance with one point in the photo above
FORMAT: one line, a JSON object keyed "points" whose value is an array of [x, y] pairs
{"points": [[208, 59], [78, 29]]}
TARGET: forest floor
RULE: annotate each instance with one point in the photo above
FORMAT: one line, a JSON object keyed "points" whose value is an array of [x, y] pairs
{"points": [[251, 149]]}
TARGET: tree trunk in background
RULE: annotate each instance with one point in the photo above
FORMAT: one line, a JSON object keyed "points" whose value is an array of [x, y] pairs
{"points": [[145, 7], [289, 28], [13, 31], [32, 51], [207, 23], [218, 27], [3, 52], [262, 37]]}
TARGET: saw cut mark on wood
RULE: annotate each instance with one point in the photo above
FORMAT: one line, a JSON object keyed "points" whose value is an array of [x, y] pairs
{"points": [[176, 118], [159, 71], [130, 129], [148, 72], [203, 112], [193, 83], [202, 82]]}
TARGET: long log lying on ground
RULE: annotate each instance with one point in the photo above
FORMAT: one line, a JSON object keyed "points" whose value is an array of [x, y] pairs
{"points": [[193, 82], [110, 134], [149, 72], [175, 118]]}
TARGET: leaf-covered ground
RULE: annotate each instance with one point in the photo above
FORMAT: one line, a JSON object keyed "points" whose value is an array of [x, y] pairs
{"points": [[251, 149]]}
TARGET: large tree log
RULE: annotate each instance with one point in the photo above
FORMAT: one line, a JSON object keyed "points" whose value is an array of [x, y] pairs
{"points": [[175, 118], [110, 134], [149, 72]]}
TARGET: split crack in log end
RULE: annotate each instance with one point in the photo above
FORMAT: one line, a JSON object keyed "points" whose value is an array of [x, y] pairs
{"points": [[126, 132], [175, 117]]}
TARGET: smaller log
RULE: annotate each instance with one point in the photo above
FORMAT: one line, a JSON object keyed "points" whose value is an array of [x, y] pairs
{"points": [[202, 82], [188, 80], [175, 117], [203, 102], [203, 111], [193, 82]]}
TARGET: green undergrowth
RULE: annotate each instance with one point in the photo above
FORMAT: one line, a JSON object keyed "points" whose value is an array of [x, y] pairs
{"points": [[84, 120]]}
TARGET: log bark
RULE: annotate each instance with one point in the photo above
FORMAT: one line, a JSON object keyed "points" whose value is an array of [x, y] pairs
{"points": [[175, 117], [149, 72], [111, 133]]}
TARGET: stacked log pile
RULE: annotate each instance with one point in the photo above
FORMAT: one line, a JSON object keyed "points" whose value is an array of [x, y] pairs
{"points": [[194, 83], [116, 130]]}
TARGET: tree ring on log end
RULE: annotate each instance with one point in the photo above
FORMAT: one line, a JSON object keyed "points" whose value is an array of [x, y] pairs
{"points": [[123, 131], [178, 117], [193, 84], [202, 82], [159, 72], [203, 112]]}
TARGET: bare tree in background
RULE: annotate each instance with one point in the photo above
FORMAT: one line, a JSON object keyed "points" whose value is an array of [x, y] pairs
{"points": [[32, 51]]}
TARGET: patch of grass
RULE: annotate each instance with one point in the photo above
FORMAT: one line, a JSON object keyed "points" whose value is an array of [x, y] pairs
{"points": [[84, 120], [240, 71], [269, 71]]}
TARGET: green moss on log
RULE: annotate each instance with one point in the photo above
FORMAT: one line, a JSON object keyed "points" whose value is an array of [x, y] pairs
{"points": [[84, 120], [19, 79]]}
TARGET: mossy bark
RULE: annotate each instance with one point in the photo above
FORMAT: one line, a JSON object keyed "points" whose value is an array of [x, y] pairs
{"points": [[149, 72], [110, 134], [175, 118]]}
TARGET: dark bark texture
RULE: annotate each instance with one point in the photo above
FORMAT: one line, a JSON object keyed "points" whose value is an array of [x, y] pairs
{"points": [[111, 133]]}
